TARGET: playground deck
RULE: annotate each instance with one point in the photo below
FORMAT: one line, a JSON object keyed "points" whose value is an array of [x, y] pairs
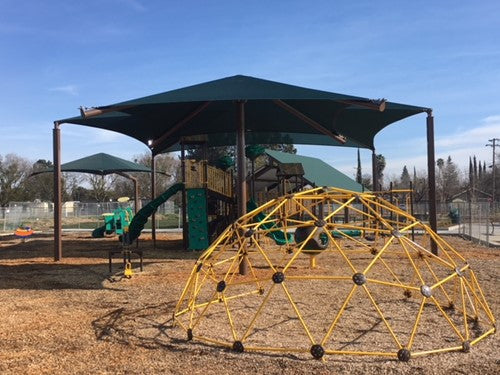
{"points": [[71, 317]]}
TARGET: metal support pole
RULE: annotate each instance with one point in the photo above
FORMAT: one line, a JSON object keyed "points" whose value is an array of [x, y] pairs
{"points": [[411, 211], [153, 196], [431, 173], [374, 171], [57, 192], [185, 228], [241, 178]]}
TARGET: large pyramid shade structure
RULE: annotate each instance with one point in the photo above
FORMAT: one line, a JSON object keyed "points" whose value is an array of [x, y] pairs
{"points": [[319, 285], [239, 110]]}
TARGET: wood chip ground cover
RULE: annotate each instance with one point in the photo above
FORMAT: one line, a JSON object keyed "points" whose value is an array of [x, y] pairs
{"points": [[74, 317]]}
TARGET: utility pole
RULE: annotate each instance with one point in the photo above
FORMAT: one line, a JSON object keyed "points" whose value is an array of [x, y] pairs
{"points": [[493, 143]]}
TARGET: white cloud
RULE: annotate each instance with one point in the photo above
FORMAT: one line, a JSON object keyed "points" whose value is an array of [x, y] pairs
{"points": [[68, 89]]}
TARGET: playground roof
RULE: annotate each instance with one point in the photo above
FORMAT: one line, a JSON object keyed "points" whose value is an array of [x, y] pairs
{"points": [[317, 172], [274, 113], [101, 164]]}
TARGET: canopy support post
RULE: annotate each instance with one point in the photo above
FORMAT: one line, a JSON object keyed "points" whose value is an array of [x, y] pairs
{"points": [[185, 228], [153, 196], [241, 177], [431, 177], [56, 144]]}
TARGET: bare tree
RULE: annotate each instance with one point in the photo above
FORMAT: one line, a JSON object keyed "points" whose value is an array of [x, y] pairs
{"points": [[14, 170]]}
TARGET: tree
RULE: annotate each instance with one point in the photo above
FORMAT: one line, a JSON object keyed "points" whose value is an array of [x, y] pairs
{"points": [[380, 166], [451, 180], [405, 178], [101, 186], [13, 171], [359, 178], [39, 186], [168, 171]]}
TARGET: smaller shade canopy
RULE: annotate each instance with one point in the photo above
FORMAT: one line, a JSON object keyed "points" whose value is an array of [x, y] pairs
{"points": [[100, 164]]}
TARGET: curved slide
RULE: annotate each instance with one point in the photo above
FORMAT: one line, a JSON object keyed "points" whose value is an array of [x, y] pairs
{"points": [[277, 235], [141, 218]]}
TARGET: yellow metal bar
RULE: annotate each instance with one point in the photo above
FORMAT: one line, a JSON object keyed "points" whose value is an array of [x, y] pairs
{"points": [[415, 326], [390, 271], [486, 306], [214, 300], [299, 250], [416, 246], [185, 290], [435, 351], [412, 263], [440, 283], [278, 350], [318, 277], [192, 325], [339, 249], [351, 352], [339, 314], [263, 253], [447, 317], [297, 312], [216, 342], [481, 302], [473, 306], [340, 208], [462, 294], [484, 335], [229, 317], [257, 313], [379, 254], [382, 316], [375, 281]]}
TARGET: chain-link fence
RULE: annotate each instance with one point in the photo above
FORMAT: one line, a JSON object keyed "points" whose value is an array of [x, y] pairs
{"points": [[479, 221], [77, 215]]}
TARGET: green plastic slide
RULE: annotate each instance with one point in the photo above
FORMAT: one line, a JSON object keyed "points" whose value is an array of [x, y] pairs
{"points": [[277, 235], [99, 232], [141, 218]]}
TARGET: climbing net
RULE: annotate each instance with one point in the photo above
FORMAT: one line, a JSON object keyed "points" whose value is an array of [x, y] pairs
{"points": [[329, 271]]}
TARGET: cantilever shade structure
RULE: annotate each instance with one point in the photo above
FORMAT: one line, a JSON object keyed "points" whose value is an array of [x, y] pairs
{"points": [[103, 164], [240, 110]]}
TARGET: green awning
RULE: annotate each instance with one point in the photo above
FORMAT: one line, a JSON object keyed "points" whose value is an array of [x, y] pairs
{"points": [[100, 164], [209, 109], [317, 172]]}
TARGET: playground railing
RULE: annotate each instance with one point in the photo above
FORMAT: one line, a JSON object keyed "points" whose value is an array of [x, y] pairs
{"points": [[201, 175]]}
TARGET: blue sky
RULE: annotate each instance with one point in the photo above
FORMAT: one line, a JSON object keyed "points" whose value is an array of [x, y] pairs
{"points": [[58, 55]]}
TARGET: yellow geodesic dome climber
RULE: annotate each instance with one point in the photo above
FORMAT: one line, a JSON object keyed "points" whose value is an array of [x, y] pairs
{"points": [[333, 272]]}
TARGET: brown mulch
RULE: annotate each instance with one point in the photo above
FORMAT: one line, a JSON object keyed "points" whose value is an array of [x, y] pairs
{"points": [[73, 316]]}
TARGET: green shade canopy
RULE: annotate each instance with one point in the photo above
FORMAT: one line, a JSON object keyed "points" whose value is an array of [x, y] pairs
{"points": [[101, 164], [316, 171], [208, 110]]}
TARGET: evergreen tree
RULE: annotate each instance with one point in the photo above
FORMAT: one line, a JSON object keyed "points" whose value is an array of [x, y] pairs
{"points": [[405, 178], [471, 173], [475, 168], [451, 180], [380, 166], [359, 178]]}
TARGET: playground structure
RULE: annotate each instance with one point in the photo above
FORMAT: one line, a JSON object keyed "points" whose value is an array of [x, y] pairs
{"points": [[383, 293], [116, 222]]}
